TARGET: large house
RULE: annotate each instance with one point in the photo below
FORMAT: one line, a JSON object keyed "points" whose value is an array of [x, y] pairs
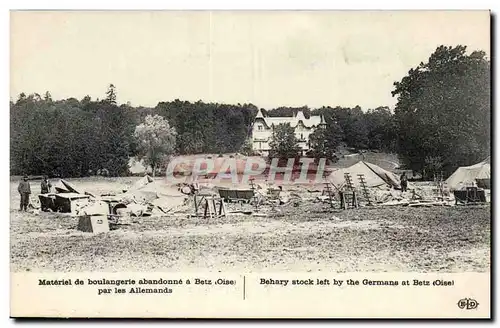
{"points": [[264, 125]]}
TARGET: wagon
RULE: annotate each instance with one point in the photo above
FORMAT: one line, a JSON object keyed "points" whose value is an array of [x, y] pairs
{"points": [[469, 195], [67, 202], [237, 195], [47, 202]]}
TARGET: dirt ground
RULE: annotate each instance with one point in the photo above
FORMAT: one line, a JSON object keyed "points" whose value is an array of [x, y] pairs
{"points": [[311, 237]]}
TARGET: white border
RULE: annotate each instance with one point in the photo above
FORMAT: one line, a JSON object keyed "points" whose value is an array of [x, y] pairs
{"points": [[255, 4], [178, 5]]}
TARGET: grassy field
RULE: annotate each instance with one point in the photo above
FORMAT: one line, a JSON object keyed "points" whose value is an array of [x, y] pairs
{"points": [[307, 238]]}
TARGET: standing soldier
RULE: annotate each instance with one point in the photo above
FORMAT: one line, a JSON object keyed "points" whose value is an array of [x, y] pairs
{"points": [[25, 191], [404, 182], [45, 186]]}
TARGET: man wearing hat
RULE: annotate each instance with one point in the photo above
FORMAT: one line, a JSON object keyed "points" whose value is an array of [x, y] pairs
{"points": [[45, 185], [25, 191], [45, 188]]}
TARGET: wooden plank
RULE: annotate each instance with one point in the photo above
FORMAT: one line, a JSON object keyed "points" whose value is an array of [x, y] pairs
{"points": [[70, 186]]}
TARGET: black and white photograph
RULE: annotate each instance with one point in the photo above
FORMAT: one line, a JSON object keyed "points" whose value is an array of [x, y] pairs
{"points": [[250, 142]]}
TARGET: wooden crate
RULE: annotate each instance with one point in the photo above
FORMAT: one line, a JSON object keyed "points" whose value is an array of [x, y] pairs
{"points": [[93, 223], [47, 201], [236, 195], [64, 202]]}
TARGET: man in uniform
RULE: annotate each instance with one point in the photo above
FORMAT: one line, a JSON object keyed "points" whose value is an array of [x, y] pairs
{"points": [[404, 182], [45, 186], [24, 190]]}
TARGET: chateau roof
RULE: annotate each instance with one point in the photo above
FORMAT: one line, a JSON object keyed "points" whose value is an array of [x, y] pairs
{"points": [[313, 120]]}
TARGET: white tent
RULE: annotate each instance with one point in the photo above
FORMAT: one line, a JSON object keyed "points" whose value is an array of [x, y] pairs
{"points": [[470, 175], [374, 175]]}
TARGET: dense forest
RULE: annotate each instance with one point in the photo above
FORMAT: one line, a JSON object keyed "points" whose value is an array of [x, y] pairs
{"points": [[74, 137], [441, 121]]}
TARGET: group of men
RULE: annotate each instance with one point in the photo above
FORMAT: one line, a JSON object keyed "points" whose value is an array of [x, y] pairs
{"points": [[24, 190]]}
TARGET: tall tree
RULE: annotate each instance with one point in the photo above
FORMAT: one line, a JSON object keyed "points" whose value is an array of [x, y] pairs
{"points": [[111, 94], [47, 96], [382, 134], [116, 127], [443, 110], [325, 140], [284, 143], [155, 140]]}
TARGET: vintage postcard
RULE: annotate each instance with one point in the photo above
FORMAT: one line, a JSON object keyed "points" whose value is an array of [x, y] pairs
{"points": [[250, 164]]}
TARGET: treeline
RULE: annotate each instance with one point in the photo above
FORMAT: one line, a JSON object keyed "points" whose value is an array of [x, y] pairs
{"points": [[443, 114], [208, 127], [77, 138], [70, 138], [355, 128], [441, 121]]}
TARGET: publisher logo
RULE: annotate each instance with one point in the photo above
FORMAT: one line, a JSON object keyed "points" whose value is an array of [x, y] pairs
{"points": [[467, 304]]}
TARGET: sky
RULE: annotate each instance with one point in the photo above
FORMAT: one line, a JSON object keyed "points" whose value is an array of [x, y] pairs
{"points": [[270, 59]]}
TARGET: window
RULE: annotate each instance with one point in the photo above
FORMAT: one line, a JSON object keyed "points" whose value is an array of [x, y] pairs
{"points": [[260, 127]]}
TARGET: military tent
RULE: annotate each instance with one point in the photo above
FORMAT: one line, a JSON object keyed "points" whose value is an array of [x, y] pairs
{"points": [[478, 174], [374, 175], [141, 183]]}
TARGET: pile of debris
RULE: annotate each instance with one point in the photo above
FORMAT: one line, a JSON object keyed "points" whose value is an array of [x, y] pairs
{"points": [[145, 198], [66, 199], [388, 196]]}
